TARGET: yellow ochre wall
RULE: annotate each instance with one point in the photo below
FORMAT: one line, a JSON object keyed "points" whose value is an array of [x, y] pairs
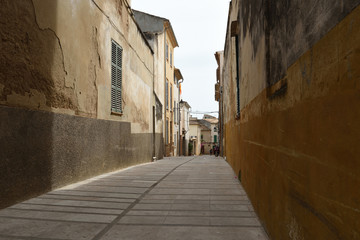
{"points": [[299, 153]]}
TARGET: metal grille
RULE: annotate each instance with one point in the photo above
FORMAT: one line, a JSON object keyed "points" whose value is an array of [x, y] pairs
{"points": [[116, 77]]}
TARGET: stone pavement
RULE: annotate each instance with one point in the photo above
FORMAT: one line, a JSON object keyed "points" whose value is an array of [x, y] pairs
{"points": [[175, 198]]}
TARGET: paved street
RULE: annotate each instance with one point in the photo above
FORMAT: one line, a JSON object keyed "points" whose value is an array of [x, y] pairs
{"points": [[175, 198]]}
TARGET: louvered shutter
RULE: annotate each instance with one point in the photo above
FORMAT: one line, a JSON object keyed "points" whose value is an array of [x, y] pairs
{"points": [[116, 77]]}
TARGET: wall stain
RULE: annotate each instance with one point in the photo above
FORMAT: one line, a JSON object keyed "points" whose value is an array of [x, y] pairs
{"points": [[298, 198]]}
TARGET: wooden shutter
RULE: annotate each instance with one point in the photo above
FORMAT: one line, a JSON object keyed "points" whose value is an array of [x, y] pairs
{"points": [[116, 77]]}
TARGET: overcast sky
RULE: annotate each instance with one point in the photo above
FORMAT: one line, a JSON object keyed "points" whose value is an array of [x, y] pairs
{"points": [[200, 27]]}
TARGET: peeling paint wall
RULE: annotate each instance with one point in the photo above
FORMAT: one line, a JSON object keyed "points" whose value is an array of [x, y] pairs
{"points": [[295, 145], [55, 76]]}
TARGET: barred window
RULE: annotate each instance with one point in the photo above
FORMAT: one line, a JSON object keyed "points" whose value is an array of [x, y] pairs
{"points": [[116, 77]]}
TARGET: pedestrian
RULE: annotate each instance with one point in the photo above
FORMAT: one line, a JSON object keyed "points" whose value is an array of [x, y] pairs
{"points": [[217, 151], [211, 151]]}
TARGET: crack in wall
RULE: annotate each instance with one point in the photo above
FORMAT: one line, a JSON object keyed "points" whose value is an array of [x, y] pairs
{"points": [[123, 36]]}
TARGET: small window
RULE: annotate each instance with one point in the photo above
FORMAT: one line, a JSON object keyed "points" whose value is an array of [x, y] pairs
{"points": [[116, 77], [171, 97], [167, 94], [167, 132], [175, 110], [170, 58], [167, 52]]}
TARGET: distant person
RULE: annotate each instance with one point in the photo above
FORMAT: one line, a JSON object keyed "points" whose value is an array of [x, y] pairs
{"points": [[211, 151], [217, 151]]}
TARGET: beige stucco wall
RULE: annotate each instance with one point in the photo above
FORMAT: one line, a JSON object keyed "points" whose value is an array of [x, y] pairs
{"points": [[81, 63], [159, 74], [195, 130]]}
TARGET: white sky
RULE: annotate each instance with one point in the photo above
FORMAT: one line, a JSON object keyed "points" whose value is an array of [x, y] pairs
{"points": [[200, 28]]}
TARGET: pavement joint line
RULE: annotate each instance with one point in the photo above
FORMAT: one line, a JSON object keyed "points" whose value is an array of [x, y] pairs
{"points": [[80, 200], [239, 211], [116, 220], [52, 220], [58, 211], [189, 194], [102, 192], [43, 204], [29, 238], [101, 185], [190, 225], [197, 216], [194, 204], [89, 196]]}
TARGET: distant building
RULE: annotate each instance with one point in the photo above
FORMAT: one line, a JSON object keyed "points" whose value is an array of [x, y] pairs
{"points": [[219, 96], [184, 127], [176, 110], [208, 128], [195, 136], [161, 37]]}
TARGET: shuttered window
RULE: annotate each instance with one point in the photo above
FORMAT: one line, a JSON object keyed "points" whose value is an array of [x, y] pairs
{"points": [[171, 58], [116, 77], [167, 52], [167, 94]]}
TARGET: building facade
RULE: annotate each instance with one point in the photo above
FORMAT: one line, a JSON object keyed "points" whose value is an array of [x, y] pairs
{"points": [[291, 87], [219, 56], [195, 136], [184, 127], [162, 38], [176, 110], [69, 94]]}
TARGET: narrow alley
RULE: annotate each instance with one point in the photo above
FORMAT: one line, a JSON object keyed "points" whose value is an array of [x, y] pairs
{"points": [[175, 198], [111, 112]]}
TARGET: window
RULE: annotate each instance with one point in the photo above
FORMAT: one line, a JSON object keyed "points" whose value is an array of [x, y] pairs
{"points": [[175, 110], [171, 131], [167, 94], [171, 97], [167, 52], [167, 132], [215, 129], [170, 58], [178, 110], [116, 77], [215, 138]]}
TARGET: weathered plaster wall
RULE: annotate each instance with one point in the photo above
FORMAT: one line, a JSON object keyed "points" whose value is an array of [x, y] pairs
{"points": [[33, 72], [295, 26], [297, 152], [55, 81]]}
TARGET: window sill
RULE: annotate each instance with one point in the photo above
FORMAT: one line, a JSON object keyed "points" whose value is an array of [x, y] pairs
{"points": [[116, 113]]}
